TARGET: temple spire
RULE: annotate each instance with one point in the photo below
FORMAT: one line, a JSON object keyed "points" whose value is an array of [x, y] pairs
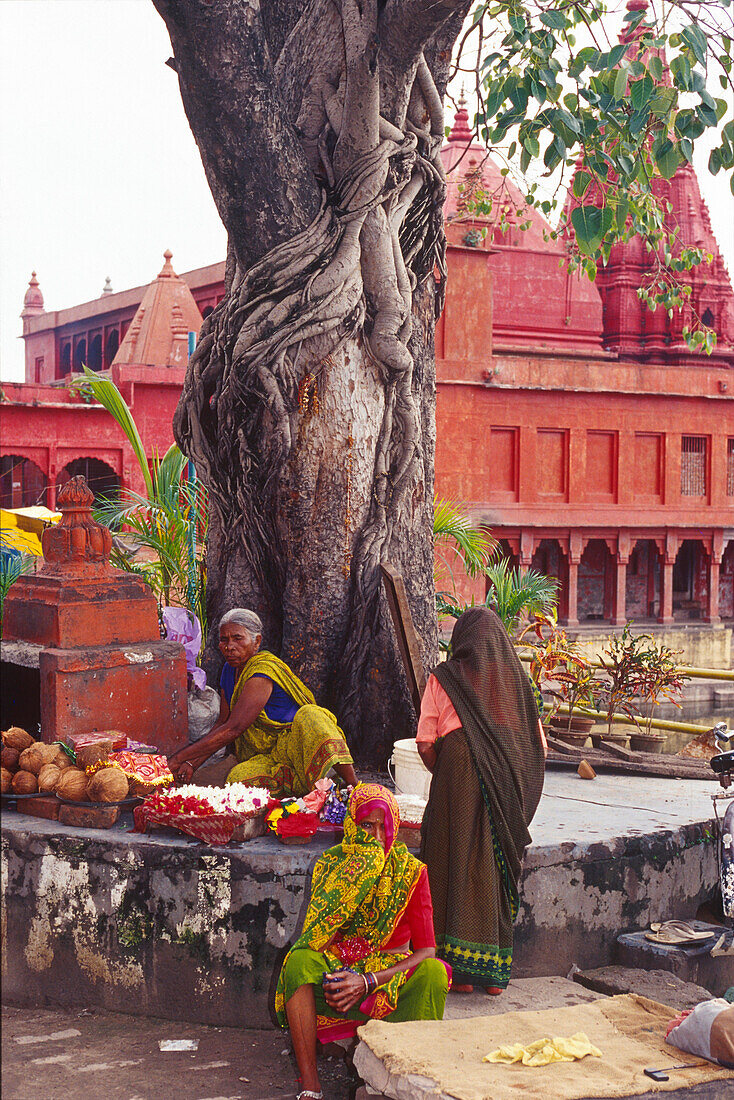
{"points": [[460, 131], [33, 301]]}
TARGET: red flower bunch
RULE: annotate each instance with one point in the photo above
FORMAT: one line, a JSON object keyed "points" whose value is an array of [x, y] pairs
{"points": [[165, 803]]}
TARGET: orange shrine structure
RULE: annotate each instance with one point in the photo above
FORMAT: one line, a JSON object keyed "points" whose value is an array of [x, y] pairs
{"points": [[571, 421]]}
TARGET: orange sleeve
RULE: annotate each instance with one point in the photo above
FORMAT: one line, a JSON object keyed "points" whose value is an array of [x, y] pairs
{"points": [[428, 720]]}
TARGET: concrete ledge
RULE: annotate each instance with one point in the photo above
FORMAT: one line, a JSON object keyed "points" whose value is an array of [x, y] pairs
{"points": [[165, 926]]}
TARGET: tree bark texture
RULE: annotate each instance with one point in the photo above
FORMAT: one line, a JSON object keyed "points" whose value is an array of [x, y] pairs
{"points": [[309, 403]]}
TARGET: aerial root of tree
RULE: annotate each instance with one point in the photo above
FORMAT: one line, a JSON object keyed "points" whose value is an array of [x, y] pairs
{"points": [[348, 279]]}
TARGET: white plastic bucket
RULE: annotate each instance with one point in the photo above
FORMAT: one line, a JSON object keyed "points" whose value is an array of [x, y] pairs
{"points": [[410, 775]]}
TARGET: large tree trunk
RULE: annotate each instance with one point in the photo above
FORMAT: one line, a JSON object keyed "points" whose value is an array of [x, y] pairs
{"points": [[309, 404]]}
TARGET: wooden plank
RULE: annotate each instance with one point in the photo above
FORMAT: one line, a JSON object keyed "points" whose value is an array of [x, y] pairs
{"points": [[408, 644], [619, 751], [654, 764]]}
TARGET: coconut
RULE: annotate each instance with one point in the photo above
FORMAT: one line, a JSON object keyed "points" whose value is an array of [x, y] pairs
{"points": [[62, 759], [86, 755], [72, 785], [25, 783], [6, 780], [17, 738], [108, 785], [48, 777], [32, 759], [10, 758]]}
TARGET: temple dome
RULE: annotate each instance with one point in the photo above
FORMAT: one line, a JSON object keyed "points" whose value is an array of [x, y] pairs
{"points": [[33, 301], [158, 333]]}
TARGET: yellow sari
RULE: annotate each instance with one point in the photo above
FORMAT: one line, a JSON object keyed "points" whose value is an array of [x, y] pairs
{"points": [[286, 757]]}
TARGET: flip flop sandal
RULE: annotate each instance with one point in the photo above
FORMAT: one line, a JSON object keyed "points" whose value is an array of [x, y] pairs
{"points": [[670, 938], [682, 929]]}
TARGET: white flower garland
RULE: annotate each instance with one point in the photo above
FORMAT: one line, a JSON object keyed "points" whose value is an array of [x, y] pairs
{"points": [[411, 808], [236, 798]]}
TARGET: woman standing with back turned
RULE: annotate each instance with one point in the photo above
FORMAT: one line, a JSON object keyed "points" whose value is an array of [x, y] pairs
{"points": [[480, 735]]}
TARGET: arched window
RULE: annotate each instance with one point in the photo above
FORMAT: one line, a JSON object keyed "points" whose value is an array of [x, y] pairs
{"points": [[80, 354], [65, 360], [101, 478], [113, 343], [708, 318], [94, 358], [22, 483]]}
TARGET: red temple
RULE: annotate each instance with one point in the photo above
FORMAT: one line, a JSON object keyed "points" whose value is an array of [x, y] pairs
{"points": [[571, 421]]}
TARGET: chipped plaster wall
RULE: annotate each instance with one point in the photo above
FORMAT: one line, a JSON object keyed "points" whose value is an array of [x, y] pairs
{"points": [[150, 927], [576, 899], [165, 927]]}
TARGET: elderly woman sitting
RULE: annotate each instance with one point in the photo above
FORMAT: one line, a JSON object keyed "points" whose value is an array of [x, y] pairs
{"points": [[283, 741], [367, 948]]}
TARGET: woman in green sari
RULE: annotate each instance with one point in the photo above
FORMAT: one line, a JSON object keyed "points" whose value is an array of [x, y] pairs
{"points": [[367, 948], [281, 738]]}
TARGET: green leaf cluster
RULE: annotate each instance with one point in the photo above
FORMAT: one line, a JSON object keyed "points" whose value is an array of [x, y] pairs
{"points": [[625, 117], [161, 533]]}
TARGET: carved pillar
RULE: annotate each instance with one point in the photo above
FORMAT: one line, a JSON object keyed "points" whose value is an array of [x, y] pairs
{"points": [[620, 592], [714, 570], [575, 550], [666, 580], [525, 555]]}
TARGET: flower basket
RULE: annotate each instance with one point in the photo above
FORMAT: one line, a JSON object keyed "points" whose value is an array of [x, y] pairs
{"points": [[211, 829], [189, 811]]}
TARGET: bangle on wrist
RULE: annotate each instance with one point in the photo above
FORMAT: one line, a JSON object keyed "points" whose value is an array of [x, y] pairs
{"points": [[366, 984]]}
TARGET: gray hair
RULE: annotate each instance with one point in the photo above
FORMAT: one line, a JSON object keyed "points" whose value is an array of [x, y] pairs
{"points": [[243, 617]]}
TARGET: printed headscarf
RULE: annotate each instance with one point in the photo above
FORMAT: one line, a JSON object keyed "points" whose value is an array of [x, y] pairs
{"points": [[359, 891]]}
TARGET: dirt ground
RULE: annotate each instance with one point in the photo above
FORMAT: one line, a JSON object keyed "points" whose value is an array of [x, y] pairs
{"points": [[73, 1054]]}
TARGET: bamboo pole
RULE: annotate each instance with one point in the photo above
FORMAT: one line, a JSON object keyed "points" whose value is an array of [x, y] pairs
{"points": [[622, 719], [685, 670]]}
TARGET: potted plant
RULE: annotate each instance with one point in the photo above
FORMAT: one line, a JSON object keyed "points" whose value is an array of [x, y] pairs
{"points": [[624, 663], [662, 680], [569, 679]]}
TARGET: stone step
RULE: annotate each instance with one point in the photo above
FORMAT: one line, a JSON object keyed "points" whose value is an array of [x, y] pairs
{"points": [[690, 964]]}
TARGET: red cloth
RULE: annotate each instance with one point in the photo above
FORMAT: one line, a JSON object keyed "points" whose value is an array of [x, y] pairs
{"points": [[416, 923]]}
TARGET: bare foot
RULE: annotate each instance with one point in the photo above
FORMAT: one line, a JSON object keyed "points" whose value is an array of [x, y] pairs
{"points": [[462, 988]]}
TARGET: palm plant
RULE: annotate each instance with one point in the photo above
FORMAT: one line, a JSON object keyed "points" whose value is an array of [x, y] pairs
{"points": [[169, 519], [453, 527], [457, 542], [12, 566], [514, 595]]}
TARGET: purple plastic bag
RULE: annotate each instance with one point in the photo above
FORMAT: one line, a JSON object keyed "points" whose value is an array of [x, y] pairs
{"points": [[180, 628]]}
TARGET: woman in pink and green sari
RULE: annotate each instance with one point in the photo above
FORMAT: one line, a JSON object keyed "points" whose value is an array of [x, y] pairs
{"points": [[367, 949]]}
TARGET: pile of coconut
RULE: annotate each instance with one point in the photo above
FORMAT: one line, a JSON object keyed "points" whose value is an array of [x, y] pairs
{"points": [[32, 767]]}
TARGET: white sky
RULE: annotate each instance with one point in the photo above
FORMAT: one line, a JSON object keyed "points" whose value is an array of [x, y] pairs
{"points": [[99, 170]]}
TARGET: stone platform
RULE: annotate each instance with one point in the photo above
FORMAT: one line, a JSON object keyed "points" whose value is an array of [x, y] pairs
{"points": [[162, 925]]}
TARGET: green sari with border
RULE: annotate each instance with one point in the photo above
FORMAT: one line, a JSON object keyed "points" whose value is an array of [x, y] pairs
{"points": [[287, 758], [358, 891]]}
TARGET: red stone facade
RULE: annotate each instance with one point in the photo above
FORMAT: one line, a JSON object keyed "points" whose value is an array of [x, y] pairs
{"points": [[576, 426]]}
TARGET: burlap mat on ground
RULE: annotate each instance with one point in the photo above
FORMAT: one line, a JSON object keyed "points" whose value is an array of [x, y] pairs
{"points": [[629, 1030]]}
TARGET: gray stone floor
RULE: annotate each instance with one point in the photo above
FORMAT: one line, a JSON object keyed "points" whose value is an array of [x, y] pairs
{"points": [[574, 810]]}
